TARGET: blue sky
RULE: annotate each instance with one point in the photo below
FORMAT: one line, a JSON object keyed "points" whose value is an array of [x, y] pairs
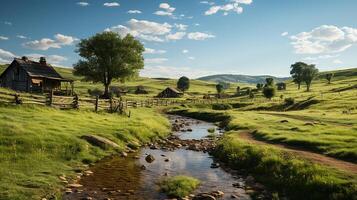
{"points": [[189, 37]]}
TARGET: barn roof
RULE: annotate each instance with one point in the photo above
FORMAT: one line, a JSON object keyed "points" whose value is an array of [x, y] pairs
{"points": [[174, 90], [38, 70]]}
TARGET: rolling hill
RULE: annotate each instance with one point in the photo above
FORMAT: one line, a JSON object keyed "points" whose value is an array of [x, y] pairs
{"points": [[240, 78]]}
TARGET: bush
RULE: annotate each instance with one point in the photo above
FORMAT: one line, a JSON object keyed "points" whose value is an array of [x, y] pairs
{"points": [[289, 101], [117, 91], [221, 106], [269, 92], [179, 186], [95, 92]]}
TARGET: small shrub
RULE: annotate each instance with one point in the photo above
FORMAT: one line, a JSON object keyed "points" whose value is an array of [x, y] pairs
{"points": [[179, 186], [289, 101], [221, 106], [95, 92], [116, 91], [269, 92]]}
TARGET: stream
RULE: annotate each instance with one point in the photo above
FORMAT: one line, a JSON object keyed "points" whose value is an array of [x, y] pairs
{"points": [[132, 177]]}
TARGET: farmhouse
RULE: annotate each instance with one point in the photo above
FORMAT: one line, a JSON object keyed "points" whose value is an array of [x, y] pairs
{"points": [[30, 76], [170, 93]]}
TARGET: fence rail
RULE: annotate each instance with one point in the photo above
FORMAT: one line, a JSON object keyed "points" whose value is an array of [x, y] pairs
{"points": [[113, 104]]}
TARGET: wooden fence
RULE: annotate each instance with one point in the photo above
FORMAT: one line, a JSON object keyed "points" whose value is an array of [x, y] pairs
{"points": [[96, 104]]}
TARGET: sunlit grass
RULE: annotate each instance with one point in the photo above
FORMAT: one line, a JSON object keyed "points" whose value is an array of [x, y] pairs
{"points": [[37, 144]]}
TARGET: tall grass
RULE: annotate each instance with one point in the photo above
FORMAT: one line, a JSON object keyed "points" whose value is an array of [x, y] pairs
{"points": [[38, 144]]}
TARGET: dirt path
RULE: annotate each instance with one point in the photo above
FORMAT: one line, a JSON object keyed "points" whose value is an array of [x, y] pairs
{"points": [[348, 167]]}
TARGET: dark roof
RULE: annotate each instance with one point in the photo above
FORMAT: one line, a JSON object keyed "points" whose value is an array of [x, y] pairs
{"points": [[174, 90], [38, 70]]}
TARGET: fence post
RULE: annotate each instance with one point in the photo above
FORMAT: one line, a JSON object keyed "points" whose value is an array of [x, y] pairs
{"points": [[50, 98], [17, 99], [96, 103], [110, 103], [75, 103]]}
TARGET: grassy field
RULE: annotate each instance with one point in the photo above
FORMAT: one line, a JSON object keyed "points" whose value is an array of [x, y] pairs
{"points": [[153, 86], [323, 120], [38, 144]]}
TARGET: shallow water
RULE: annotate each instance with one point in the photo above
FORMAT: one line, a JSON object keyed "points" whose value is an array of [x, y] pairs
{"points": [[125, 174]]}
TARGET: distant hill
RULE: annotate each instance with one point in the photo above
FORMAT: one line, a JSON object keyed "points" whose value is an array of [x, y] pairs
{"points": [[240, 78]]}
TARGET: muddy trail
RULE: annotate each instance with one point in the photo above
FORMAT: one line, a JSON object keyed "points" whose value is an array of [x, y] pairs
{"points": [[345, 166], [136, 175]]}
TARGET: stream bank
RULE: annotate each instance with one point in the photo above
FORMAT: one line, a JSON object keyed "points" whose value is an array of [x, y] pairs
{"points": [[186, 152]]}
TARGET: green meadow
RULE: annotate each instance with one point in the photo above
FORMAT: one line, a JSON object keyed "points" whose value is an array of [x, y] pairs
{"points": [[39, 144]]}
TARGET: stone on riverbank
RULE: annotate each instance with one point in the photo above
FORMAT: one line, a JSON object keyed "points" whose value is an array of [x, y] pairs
{"points": [[149, 158], [99, 141]]}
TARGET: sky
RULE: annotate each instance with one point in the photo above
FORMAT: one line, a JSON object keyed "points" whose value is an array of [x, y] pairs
{"points": [[193, 38]]}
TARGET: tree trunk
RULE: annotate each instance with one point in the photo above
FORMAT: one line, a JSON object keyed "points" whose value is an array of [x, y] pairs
{"points": [[308, 87], [299, 84], [106, 91]]}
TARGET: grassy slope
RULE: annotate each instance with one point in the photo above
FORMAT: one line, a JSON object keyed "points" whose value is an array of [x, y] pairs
{"points": [[334, 133], [37, 144]]}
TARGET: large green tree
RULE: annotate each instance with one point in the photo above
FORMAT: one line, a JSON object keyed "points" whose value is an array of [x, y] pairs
{"points": [[183, 83], [309, 73], [107, 56], [297, 72]]}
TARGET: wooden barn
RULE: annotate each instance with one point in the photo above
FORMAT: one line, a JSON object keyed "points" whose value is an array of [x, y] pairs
{"points": [[30, 76], [170, 93]]}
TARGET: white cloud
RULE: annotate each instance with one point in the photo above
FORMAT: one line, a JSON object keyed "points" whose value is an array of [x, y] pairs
{"points": [[8, 23], [111, 4], [82, 3], [21, 36], [167, 10], [337, 61], [232, 6], [167, 7], [155, 60], [199, 36], [134, 12], [321, 57], [6, 56], [185, 51], [325, 39], [143, 29], [46, 43], [176, 36], [154, 51], [64, 39], [181, 27], [162, 13], [52, 59], [191, 58], [284, 34], [207, 2], [3, 38]]}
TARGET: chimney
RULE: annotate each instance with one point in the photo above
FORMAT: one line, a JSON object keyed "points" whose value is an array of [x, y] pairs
{"points": [[24, 58], [42, 60]]}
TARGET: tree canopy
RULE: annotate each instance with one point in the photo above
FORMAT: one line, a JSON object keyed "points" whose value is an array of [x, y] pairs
{"points": [[107, 56], [183, 83], [309, 73], [297, 72], [329, 77], [269, 92], [219, 88]]}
